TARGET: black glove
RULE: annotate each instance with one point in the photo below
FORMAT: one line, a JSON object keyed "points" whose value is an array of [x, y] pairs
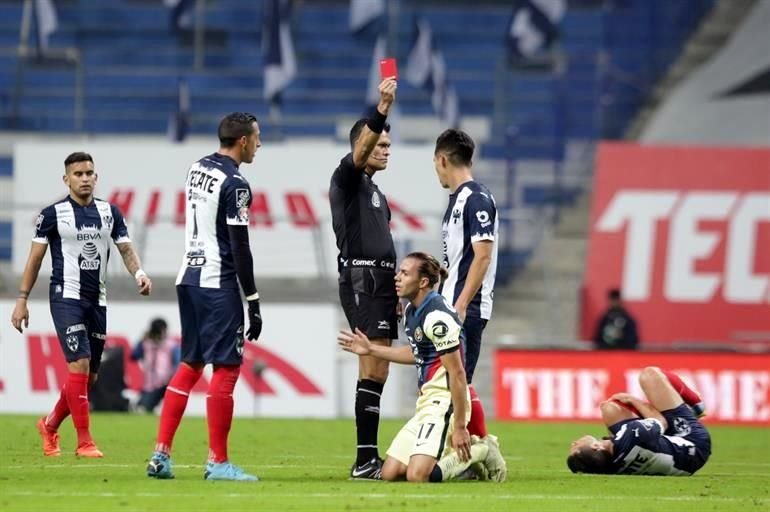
{"points": [[255, 321]]}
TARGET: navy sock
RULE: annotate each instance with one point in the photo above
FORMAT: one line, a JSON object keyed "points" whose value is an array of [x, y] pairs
{"points": [[436, 475], [368, 393]]}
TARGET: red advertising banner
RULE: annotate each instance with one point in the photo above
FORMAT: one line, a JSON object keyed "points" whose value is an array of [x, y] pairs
{"points": [[684, 232], [563, 386]]}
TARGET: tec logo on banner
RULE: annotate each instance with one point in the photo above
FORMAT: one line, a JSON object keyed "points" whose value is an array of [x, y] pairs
{"points": [[640, 212]]}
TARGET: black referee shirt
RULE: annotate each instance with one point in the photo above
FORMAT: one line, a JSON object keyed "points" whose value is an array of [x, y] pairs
{"points": [[360, 215]]}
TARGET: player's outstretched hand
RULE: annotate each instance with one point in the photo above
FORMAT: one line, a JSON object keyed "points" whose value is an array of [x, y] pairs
{"points": [[255, 321], [354, 342], [20, 315], [144, 283], [461, 441]]}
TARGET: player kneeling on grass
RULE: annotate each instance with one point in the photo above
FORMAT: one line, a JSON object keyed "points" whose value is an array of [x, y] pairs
{"points": [[420, 451], [662, 437]]}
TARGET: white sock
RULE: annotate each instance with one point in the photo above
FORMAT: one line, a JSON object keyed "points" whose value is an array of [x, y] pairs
{"points": [[452, 467]]}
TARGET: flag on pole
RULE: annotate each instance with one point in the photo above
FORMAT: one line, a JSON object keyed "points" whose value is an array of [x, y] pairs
{"points": [[534, 26], [372, 89], [426, 69], [179, 122], [364, 12], [280, 62], [47, 21], [180, 14]]}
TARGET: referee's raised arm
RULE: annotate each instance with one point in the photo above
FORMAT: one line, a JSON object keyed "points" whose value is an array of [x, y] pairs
{"points": [[371, 132]]}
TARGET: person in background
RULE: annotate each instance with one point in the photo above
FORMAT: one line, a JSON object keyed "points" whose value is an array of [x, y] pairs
{"points": [[616, 329], [159, 357]]}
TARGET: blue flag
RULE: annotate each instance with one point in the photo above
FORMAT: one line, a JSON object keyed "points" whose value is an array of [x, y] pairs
{"points": [[534, 26], [179, 122], [364, 12], [280, 63], [47, 21], [180, 14], [426, 69]]}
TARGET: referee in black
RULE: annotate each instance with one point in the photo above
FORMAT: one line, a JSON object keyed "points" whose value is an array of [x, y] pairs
{"points": [[367, 265]]}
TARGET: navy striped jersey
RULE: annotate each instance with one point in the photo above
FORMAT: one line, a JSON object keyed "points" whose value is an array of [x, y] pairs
{"points": [[79, 237], [471, 216], [640, 447], [433, 329], [217, 196]]}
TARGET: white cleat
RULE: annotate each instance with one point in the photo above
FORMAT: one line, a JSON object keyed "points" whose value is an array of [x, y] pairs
{"points": [[495, 462]]}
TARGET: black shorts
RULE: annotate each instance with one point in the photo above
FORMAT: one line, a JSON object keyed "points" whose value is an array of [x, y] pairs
{"points": [[212, 325], [368, 297], [81, 327]]}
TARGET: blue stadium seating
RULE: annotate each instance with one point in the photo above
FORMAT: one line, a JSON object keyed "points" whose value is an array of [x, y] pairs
{"points": [[133, 62], [128, 46]]}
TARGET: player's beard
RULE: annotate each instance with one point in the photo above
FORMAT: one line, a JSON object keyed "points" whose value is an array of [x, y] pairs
{"points": [[83, 194]]}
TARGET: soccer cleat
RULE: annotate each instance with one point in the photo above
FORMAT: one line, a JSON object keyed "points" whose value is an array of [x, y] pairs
{"points": [[88, 450], [476, 471], [495, 462], [160, 466], [50, 439], [227, 471], [370, 470]]}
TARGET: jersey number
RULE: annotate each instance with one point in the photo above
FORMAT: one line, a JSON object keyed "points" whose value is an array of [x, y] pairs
{"points": [[425, 431]]}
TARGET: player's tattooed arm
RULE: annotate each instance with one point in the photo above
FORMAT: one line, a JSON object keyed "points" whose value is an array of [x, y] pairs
{"points": [[134, 267], [130, 258]]}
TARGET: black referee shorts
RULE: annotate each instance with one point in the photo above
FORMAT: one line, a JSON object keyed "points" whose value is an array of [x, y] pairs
{"points": [[368, 297]]}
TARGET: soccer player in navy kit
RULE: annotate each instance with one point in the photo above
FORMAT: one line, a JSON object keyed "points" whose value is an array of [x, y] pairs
{"points": [[434, 446], [217, 258], [78, 229], [366, 264], [469, 233], [662, 437]]}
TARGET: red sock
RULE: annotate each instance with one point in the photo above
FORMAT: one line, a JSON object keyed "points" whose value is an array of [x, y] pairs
{"points": [[219, 410], [59, 413], [689, 396], [478, 424], [76, 391], [174, 404]]}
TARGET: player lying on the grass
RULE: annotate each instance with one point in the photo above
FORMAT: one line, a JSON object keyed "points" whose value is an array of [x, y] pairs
{"points": [[662, 437], [420, 451]]}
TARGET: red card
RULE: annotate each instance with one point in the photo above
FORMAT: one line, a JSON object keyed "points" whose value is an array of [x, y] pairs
{"points": [[388, 68]]}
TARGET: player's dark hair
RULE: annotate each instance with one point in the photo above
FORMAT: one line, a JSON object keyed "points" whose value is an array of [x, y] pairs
{"points": [[358, 126], [234, 126], [588, 460], [157, 326], [77, 156], [613, 294], [429, 267], [456, 145]]}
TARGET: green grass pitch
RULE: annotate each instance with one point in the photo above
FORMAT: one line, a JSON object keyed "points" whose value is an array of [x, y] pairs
{"points": [[304, 466]]}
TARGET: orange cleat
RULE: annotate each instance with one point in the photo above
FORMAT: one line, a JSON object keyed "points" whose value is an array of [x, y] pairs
{"points": [[50, 439], [89, 450]]}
